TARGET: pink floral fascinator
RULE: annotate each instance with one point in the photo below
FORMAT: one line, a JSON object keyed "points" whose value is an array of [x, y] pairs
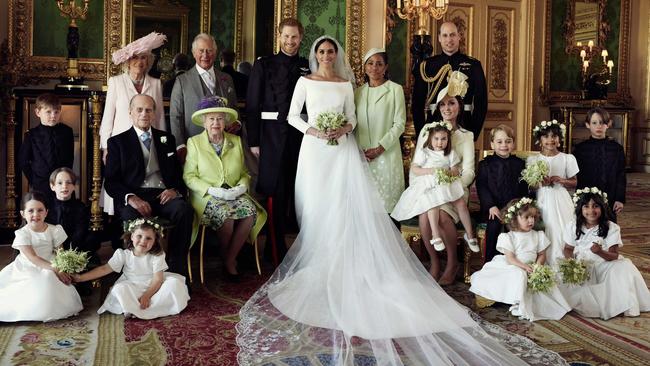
{"points": [[142, 45]]}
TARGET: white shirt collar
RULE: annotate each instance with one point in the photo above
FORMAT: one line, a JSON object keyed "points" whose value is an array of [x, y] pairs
{"points": [[139, 132], [203, 71]]}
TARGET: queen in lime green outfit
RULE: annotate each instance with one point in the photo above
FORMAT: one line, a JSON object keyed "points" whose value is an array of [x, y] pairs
{"points": [[218, 181], [381, 116]]}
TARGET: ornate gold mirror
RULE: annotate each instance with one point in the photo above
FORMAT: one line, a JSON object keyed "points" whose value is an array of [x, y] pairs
{"points": [[585, 23], [607, 24]]}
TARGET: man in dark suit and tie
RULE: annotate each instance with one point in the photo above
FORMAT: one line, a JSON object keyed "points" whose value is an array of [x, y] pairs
{"points": [[195, 84], [144, 177]]}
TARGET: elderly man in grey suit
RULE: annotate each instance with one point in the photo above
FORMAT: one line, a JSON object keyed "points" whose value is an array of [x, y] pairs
{"points": [[195, 84]]}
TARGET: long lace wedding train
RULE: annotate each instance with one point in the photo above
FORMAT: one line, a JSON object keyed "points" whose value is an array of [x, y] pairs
{"points": [[350, 291]]}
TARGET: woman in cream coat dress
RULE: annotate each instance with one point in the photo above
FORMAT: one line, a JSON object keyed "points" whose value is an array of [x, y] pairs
{"points": [[448, 107], [381, 116], [136, 60]]}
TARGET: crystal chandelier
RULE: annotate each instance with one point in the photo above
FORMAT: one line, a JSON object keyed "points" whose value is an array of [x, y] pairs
{"points": [[422, 9]]}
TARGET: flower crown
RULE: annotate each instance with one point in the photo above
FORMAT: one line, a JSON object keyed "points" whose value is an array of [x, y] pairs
{"points": [[514, 209], [444, 124], [153, 221], [547, 124], [592, 190]]}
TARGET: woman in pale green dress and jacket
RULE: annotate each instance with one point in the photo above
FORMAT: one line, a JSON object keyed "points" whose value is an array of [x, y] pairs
{"points": [[381, 116]]}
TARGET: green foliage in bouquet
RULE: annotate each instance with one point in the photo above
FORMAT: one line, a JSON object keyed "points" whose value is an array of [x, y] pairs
{"points": [[542, 279], [535, 173], [573, 271], [443, 176], [327, 121], [70, 260]]}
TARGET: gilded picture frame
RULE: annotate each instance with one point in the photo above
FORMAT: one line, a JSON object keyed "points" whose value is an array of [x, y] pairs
{"points": [[160, 16], [34, 68], [621, 96]]}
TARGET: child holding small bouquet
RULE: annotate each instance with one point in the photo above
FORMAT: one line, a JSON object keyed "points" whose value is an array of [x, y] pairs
{"points": [[436, 182], [144, 290], [31, 287], [507, 278], [615, 285], [552, 196]]}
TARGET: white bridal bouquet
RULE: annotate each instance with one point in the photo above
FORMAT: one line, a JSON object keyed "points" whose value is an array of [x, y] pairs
{"points": [[573, 271], [443, 176], [70, 260], [535, 173], [542, 279], [327, 121]]}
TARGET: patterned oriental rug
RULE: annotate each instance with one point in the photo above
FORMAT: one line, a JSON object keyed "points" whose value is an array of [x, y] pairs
{"points": [[204, 333]]}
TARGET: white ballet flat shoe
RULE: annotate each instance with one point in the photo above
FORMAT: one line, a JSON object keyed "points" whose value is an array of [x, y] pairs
{"points": [[438, 244], [514, 310], [472, 243]]}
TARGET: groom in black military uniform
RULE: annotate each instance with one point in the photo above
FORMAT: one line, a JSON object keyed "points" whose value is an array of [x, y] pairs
{"points": [[271, 139], [431, 77]]}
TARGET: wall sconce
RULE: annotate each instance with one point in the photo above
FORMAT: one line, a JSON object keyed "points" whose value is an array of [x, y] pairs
{"points": [[424, 10], [596, 74]]}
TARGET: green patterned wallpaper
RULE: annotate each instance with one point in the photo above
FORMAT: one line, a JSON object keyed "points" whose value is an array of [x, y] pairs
{"points": [[321, 17], [50, 30], [565, 69], [222, 23], [397, 51]]}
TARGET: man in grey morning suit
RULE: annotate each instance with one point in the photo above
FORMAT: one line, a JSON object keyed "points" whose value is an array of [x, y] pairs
{"points": [[195, 84]]}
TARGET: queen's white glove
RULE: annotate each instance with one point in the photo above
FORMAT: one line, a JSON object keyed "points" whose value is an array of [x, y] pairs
{"points": [[238, 190], [218, 192]]}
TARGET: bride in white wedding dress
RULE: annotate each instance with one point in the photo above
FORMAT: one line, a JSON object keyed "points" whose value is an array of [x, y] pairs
{"points": [[350, 291]]}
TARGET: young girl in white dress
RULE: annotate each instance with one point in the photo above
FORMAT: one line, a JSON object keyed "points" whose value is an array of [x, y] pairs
{"points": [[427, 194], [553, 199], [30, 288], [615, 285], [144, 290], [521, 247]]}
